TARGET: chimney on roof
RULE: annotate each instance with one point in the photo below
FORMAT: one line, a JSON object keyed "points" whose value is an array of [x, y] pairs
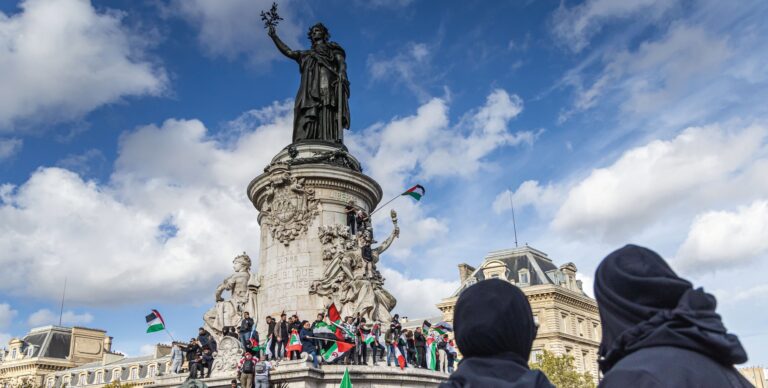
{"points": [[465, 270], [107, 344]]}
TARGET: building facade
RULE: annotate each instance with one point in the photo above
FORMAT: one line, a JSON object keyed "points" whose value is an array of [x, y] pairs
{"points": [[114, 367], [49, 349], [568, 319]]}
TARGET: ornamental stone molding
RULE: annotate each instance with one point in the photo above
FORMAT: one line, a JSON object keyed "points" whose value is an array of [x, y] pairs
{"points": [[289, 206]]}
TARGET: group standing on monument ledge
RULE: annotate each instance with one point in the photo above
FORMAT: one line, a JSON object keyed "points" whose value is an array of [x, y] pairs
{"points": [[658, 331]]}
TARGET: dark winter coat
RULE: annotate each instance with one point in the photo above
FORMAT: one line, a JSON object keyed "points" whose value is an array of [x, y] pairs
{"points": [[307, 343], [494, 330], [658, 331]]}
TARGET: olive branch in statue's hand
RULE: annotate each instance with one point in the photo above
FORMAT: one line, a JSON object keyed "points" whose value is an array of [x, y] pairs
{"points": [[271, 18]]}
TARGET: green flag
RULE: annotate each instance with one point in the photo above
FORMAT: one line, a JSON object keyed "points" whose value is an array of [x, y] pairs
{"points": [[346, 382]]}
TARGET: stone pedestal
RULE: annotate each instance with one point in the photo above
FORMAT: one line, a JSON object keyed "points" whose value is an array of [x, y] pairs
{"points": [[306, 186], [299, 374]]}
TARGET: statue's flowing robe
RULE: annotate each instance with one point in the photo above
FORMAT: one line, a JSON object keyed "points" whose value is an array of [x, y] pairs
{"points": [[315, 114]]}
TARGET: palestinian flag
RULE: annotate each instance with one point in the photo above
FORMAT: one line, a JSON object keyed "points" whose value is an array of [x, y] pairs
{"points": [[337, 349], [400, 358], [155, 322], [335, 318], [254, 344], [346, 382], [267, 347], [425, 327], [416, 192], [294, 343], [431, 353], [442, 327], [323, 328], [368, 338]]}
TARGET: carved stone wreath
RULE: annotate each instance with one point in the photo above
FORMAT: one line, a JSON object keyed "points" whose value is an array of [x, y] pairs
{"points": [[228, 356], [289, 206]]}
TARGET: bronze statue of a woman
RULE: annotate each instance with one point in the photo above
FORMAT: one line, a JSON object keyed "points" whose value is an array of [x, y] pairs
{"points": [[321, 110]]}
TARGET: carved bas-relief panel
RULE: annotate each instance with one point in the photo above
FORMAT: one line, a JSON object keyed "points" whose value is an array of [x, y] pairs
{"points": [[351, 280], [289, 206], [229, 353]]}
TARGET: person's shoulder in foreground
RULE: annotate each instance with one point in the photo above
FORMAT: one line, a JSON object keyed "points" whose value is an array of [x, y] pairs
{"points": [[494, 330], [658, 331]]}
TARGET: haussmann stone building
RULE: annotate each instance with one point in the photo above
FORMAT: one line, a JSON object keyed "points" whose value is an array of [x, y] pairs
{"points": [[568, 318]]}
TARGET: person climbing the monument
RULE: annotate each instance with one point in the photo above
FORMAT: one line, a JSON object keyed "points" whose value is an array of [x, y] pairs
{"points": [[245, 329], [261, 373], [246, 369], [351, 213], [282, 334], [308, 343], [494, 329], [658, 331]]}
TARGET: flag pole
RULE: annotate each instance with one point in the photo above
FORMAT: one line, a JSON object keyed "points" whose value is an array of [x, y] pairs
{"points": [[388, 202], [169, 334]]}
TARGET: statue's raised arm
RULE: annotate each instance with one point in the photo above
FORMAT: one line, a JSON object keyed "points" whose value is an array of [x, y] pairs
{"points": [[271, 31]]}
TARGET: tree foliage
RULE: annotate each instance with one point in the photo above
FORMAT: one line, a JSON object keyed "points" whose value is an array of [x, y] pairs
{"points": [[560, 370]]}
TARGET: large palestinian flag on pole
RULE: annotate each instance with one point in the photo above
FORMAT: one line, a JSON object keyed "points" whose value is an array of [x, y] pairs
{"points": [[337, 349], [416, 192], [336, 322], [431, 353], [294, 344], [155, 322]]}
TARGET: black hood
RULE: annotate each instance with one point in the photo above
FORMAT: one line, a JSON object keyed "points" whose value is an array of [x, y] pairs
{"points": [[643, 304], [493, 317], [494, 331]]}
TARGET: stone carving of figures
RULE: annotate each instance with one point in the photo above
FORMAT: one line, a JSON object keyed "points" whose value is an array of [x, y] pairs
{"points": [[243, 288], [350, 279]]}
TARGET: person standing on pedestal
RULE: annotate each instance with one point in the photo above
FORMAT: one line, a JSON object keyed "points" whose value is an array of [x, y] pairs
{"points": [[281, 332], [177, 358], [271, 338], [296, 325], [244, 331], [420, 343], [362, 332]]}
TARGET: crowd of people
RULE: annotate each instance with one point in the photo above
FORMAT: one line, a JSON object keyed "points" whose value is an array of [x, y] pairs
{"points": [[658, 331]]}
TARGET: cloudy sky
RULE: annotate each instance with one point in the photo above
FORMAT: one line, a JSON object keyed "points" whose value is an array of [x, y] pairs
{"points": [[129, 131]]}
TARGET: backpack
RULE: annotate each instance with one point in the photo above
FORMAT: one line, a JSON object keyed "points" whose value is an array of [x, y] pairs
{"points": [[261, 367], [248, 367]]}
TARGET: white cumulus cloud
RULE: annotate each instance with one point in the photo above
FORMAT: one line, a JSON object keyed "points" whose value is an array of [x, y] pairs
{"points": [[633, 192], [45, 317], [233, 28], [54, 50], [723, 239], [417, 297]]}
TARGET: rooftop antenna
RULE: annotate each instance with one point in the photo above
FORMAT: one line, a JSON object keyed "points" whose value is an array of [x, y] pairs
{"points": [[514, 223], [63, 293]]}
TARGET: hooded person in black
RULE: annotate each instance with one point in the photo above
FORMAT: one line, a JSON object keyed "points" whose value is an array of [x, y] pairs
{"points": [[658, 331], [494, 331]]}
